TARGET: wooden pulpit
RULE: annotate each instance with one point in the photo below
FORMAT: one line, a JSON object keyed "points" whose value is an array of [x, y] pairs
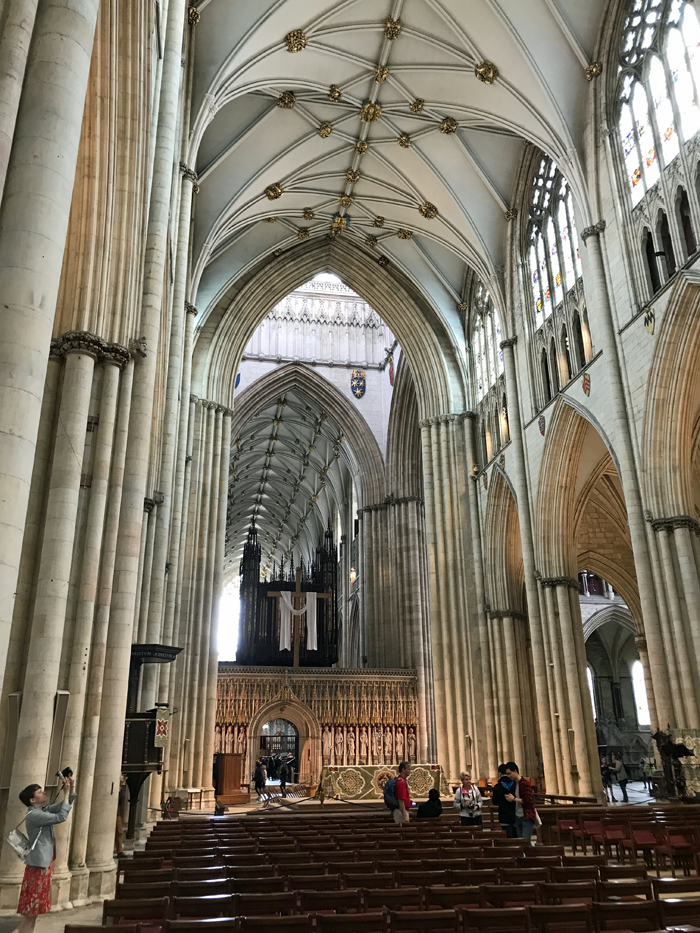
{"points": [[229, 777]]}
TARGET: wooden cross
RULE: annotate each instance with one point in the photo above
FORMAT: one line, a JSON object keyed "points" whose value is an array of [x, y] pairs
{"points": [[297, 596]]}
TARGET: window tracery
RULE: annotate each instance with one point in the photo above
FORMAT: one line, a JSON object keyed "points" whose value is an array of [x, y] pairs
{"points": [[561, 340], [658, 117], [488, 371]]}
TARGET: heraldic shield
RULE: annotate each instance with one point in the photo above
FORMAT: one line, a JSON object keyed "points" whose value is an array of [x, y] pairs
{"points": [[358, 382]]}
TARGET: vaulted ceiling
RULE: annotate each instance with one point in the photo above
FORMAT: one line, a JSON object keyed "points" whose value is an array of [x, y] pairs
{"points": [[428, 183]]}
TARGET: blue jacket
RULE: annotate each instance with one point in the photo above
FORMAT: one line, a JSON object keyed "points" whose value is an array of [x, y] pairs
{"points": [[40, 823]]}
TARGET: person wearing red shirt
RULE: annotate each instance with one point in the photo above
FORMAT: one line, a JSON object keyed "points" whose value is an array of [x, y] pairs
{"points": [[402, 793], [523, 797]]}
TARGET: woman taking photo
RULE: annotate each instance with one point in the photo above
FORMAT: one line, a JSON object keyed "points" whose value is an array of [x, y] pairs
{"points": [[468, 801]]}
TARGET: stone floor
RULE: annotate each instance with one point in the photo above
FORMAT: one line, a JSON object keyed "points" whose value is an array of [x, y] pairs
{"points": [[55, 921]]}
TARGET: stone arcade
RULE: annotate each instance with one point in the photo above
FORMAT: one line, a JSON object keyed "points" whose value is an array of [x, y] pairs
{"points": [[404, 295]]}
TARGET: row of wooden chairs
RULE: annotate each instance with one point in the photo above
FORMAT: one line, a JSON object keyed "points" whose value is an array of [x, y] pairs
{"points": [[222, 879], [569, 918]]}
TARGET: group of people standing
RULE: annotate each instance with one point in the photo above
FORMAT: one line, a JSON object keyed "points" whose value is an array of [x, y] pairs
{"points": [[513, 794], [273, 768]]}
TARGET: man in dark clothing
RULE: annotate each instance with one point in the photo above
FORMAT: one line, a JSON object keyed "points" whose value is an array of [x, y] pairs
{"points": [[523, 796], [284, 774], [506, 808], [432, 807]]}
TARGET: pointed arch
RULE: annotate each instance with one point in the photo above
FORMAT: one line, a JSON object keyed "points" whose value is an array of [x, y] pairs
{"points": [[420, 331], [404, 469], [503, 550]]}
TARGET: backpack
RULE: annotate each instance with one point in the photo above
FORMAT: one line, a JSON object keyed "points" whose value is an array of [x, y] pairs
{"points": [[390, 795]]}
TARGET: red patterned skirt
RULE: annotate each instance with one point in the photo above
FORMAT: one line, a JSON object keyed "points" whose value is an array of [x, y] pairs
{"points": [[35, 896]]}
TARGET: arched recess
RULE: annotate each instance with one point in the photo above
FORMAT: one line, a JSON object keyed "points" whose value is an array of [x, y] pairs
{"points": [[361, 448], [508, 647], [404, 470], [503, 553], [617, 614], [417, 325], [287, 706], [581, 515], [670, 455]]}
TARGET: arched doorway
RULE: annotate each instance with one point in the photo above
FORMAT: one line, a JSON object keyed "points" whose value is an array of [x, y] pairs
{"points": [[279, 738]]}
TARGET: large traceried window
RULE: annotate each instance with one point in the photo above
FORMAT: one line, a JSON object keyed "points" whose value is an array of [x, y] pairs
{"points": [[561, 344], [487, 361], [658, 115], [640, 694]]}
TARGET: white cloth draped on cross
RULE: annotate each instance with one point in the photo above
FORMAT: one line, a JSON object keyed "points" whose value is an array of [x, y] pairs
{"points": [[287, 611]]}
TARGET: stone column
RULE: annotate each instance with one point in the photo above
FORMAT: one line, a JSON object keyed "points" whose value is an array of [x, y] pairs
{"points": [[514, 661], [108, 762], [16, 35], [596, 286], [91, 552], [687, 566], [150, 507], [522, 492], [559, 711], [679, 649], [486, 679], [43, 662], [171, 436], [33, 223], [93, 703]]}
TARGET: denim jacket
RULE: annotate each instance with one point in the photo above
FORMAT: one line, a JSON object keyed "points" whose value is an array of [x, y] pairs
{"points": [[40, 823]]}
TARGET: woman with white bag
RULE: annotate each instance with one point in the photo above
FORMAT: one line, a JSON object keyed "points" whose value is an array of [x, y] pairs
{"points": [[35, 896], [468, 801]]}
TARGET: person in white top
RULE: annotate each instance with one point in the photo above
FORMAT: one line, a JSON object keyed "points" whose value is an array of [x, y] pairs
{"points": [[468, 801]]}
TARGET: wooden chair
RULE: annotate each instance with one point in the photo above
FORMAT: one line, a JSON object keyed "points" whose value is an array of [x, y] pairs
{"points": [[421, 877], [541, 851], [524, 875], [634, 915], [623, 873], [508, 895], [198, 926], [447, 898], [202, 888], [257, 885], [304, 868], [213, 905], [144, 863], [678, 844], [280, 903], [478, 876], [558, 893], [351, 923], [330, 901], [579, 861], [507, 862], [90, 928], [489, 920], [421, 921], [552, 918], [200, 861], [145, 908], [674, 912], [318, 883], [628, 890], [379, 879], [199, 874], [299, 923], [568, 875], [130, 891], [674, 887], [408, 898], [541, 861]]}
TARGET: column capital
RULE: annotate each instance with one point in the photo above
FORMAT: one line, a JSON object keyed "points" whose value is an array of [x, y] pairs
{"points": [[148, 505], [194, 399], [188, 173], [190, 309], [558, 581], [674, 522], [506, 614], [509, 342], [593, 230], [82, 341]]}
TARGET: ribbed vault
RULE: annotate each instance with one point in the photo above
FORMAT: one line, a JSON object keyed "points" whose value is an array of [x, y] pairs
{"points": [[298, 446]]}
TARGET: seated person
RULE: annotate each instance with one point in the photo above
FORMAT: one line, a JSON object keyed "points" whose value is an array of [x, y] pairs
{"points": [[432, 807]]}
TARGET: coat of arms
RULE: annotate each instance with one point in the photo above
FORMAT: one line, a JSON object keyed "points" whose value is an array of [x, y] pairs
{"points": [[586, 384], [358, 382], [650, 320], [391, 370], [541, 424]]}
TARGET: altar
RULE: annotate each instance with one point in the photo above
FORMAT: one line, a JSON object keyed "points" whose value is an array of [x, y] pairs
{"points": [[366, 782]]}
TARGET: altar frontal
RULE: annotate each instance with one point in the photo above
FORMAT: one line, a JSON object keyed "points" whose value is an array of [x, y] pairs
{"points": [[366, 782]]}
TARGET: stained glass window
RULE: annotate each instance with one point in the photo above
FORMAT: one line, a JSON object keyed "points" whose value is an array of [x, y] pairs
{"points": [[554, 264], [659, 88], [488, 356]]}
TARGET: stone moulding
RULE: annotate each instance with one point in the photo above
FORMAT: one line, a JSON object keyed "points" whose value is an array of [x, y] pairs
{"points": [[675, 521], [82, 341]]}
